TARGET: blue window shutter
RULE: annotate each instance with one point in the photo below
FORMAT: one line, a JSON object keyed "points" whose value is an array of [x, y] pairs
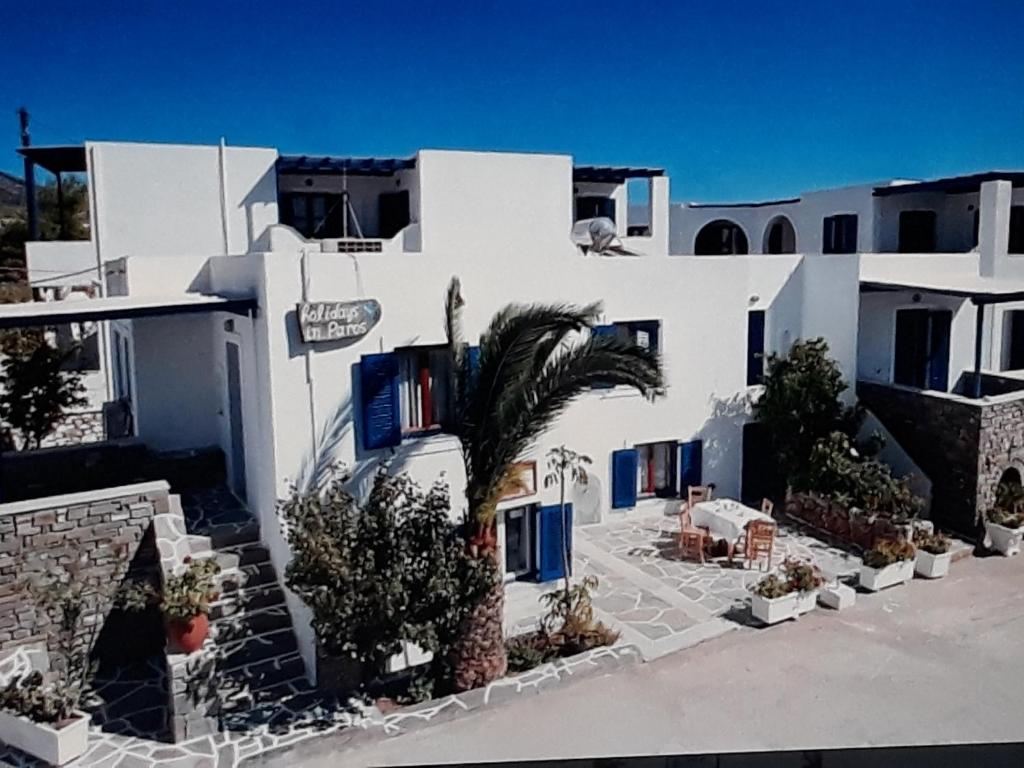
{"points": [[755, 346], [382, 420], [624, 467], [549, 549], [473, 361], [691, 461]]}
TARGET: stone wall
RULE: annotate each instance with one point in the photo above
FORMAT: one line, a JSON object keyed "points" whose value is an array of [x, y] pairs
{"points": [[1001, 446], [963, 445], [91, 536], [77, 428]]}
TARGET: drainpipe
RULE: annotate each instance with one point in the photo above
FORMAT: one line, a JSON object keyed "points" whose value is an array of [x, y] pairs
{"points": [[222, 170], [979, 326]]}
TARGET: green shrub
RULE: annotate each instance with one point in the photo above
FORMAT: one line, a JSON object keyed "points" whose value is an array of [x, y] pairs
{"points": [[933, 543], [1005, 518], [802, 577], [888, 552], [772, 587], [376, 574]]}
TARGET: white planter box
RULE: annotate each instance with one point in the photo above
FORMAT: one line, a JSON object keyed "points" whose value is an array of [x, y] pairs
{"points": [[773, 611], [1004, 540], [932, 566], [806, 601], [874, 579], [838, 596], [42, 740]]}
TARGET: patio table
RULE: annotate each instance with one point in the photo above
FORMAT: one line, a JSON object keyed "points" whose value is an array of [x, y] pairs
{"points": [[725, 518]]}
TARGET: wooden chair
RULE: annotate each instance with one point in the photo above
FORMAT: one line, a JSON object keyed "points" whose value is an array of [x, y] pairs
{"points": [[760, 540], [689, 533], [768, 507], [697, 494], [691, 544]]}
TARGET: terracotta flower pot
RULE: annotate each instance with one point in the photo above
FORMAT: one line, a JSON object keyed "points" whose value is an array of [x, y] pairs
{"points": [[188, 636]]}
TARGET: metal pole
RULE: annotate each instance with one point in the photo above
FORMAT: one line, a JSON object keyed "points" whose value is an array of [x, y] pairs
{"points": [[979, 322], [30, 179], [60, 207]]}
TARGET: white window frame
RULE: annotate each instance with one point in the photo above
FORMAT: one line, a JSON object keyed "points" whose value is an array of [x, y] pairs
{"points": [[671, 471], [410, 389]]}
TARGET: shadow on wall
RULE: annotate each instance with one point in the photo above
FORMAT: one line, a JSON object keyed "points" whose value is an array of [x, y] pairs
{"points": [[722, 435], [263, 193]]}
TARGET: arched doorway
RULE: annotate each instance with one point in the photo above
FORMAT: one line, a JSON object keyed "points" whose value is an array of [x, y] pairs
{"points": [[779, 236], [720, 238]]}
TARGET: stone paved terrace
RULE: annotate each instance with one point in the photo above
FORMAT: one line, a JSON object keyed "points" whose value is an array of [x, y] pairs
{"points": [[659, 602]]}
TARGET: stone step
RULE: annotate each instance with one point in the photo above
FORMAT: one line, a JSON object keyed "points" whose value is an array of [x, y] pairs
{"points": [[274, 693], [246, 599], [262, 674], [245, 577], [253, 650], [249, 622], [230, 534], [236, 555]]}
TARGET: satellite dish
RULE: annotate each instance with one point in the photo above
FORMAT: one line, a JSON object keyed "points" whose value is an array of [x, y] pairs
{"points": [[599, 236]]}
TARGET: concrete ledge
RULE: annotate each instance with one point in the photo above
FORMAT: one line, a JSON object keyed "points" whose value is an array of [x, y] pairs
{"points": [[154, 487]]}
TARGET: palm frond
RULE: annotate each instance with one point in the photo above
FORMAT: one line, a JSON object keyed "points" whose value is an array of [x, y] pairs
{"points": [[456, 343], [529, 406]]}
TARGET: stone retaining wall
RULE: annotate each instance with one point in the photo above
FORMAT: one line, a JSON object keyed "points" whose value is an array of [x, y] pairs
{"points": [[94, 534], [77, 428], [854, 528], [963, 445]]}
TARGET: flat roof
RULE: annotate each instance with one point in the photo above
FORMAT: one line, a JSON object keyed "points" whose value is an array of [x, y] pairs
{"points": [[981, 290], [37, 313], [57, 159], [609, 174], [350, 166], [762, 204], [952, 184]]}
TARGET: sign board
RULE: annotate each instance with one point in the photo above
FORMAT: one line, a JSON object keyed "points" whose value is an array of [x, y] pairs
{"points": [[337, 320]]}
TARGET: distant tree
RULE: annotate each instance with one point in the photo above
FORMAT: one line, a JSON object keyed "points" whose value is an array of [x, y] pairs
{"points": [[35, 390]]}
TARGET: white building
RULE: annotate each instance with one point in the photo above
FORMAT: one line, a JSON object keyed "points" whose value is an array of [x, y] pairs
{"points": [[940, 341], [207, 252]]}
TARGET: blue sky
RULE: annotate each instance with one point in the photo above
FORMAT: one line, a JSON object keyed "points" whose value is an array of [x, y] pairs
{"points": [[737, 100]]}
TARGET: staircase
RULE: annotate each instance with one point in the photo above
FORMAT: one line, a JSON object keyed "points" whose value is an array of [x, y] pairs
{"points": [[249, 670]]}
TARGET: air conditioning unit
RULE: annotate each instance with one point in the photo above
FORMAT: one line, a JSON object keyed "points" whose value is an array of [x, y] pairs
{"points": [[351, 245]]}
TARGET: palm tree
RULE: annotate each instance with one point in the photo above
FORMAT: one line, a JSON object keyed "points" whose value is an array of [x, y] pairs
{"points": [[529, 366]]}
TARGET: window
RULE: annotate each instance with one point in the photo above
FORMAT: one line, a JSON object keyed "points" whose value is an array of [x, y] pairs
{"points": [[122, 367], [755, 347], [313, 215], [921, 354], [720, 238], [1015, 340], [643, 333], [1016, 229], [425, 400], [656, 469], [519, 543], [917, 232], [839, 234], [593, 207]]}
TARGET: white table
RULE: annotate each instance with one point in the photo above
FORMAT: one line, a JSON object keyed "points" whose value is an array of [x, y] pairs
{"points": [[725, 518]]}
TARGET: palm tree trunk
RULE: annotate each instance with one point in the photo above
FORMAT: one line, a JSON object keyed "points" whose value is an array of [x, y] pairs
{"points": [[479, 655]]}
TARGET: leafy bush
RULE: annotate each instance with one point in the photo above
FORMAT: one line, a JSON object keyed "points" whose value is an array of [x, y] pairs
{"points": [[838, 469], [570, 623], [377, 574], [30, 697], [528, 651], [802, 577], [800, 405], [772, 587], [1010, 497], [1005, 518], [933, 543], [888, 552], [182, 598]]}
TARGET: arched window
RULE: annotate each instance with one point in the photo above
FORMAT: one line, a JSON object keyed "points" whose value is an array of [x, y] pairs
{"points": [[779, 236], [720, 238]]}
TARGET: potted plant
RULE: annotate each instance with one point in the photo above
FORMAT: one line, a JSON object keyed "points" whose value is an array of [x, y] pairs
{"points": [[934, 554], [184, 602], [805, 580], [773, 600], [888, 562], [1005, 531], [43, 719]]}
